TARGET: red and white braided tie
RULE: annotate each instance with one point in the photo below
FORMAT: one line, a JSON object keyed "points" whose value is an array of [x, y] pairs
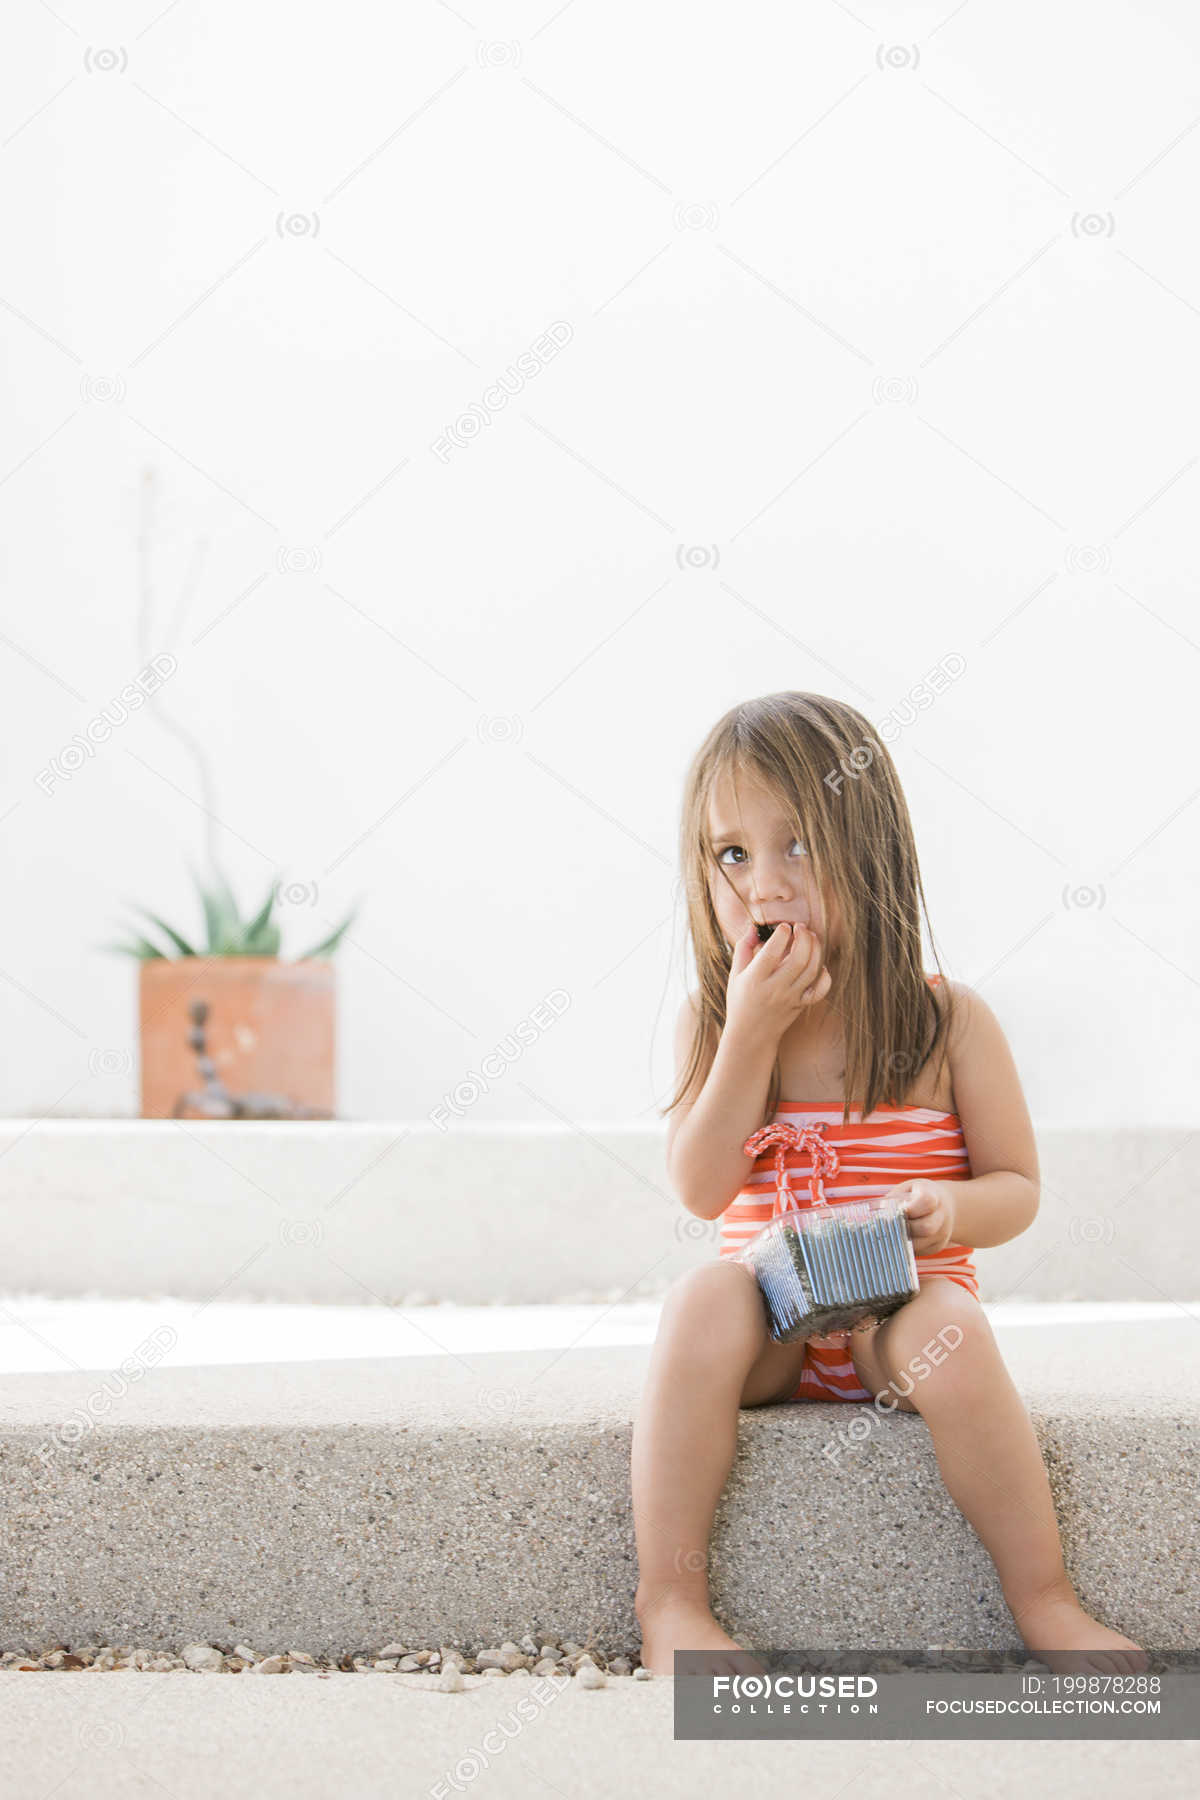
{"points": [[795, 1137]]}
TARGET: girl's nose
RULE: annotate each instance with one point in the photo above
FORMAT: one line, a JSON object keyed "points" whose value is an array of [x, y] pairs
{"points": [[773, 884]]}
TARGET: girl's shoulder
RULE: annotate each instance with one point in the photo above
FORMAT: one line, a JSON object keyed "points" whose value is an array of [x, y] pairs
{"points": [[967, 1009], [947, 991]]}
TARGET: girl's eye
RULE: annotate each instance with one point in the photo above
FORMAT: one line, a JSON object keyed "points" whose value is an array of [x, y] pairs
{"points": [[722, 854]]}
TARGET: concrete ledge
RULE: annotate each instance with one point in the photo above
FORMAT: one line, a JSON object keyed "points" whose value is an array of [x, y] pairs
{"points": [[479, 1213], [339, 1506], [175, 1737]]}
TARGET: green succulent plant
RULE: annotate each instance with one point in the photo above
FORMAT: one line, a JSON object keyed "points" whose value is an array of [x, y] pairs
{"points": [[227, 932]]}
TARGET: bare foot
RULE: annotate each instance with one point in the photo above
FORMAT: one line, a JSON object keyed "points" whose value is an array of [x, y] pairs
{"points": [[678, 1619], [1059, 1633]]}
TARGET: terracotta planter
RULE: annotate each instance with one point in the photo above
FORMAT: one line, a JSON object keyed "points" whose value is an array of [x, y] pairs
{"points": [[269, 1030]]}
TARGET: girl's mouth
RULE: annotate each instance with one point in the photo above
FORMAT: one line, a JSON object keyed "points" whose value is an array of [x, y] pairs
{"points": [[764, 932]]}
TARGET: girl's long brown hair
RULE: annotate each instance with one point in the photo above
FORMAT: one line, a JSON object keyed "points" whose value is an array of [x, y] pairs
{"points": [[859, 837]]}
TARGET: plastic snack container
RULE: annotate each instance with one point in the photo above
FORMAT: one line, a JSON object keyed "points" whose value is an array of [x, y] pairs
{"points": [[825, 1268]]}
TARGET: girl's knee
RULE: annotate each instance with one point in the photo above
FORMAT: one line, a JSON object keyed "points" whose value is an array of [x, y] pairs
{"points": [[720, 1294], [943, 1330], [719, 1275], [946, 1306]]}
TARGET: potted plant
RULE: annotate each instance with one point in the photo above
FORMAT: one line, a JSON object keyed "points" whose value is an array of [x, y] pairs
{"points": [[230, 1030]]}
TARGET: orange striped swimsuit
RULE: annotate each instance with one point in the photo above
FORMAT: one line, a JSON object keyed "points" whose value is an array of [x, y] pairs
{"points": [[893, 1144]]}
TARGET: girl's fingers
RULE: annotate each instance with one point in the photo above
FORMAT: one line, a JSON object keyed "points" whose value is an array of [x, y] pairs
{"points": [[807, 963], [743, 950], [778, 946], [794, 947], [804, 946]]}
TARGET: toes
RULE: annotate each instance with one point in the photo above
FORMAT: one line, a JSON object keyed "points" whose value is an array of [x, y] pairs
{"points": [[1132, 1661]]}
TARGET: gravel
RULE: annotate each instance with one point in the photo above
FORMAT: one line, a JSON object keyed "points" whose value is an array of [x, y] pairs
{"points": [[445, 1666]]}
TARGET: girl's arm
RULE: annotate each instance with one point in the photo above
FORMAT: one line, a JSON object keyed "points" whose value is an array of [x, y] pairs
{"points": [[1001, 1198], [769, 987], [705, 1161]]}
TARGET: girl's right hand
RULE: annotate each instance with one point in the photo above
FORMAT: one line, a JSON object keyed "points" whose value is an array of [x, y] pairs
{"points": [[771, 984]]}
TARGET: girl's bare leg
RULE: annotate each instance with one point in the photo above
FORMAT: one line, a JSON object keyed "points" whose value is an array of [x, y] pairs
{"points": [[713, 1354], [991, 1464]]}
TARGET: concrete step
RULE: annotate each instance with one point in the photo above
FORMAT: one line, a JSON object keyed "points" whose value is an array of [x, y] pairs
{"points": [[472, 1497], [356, 1213], [183, 1737]]}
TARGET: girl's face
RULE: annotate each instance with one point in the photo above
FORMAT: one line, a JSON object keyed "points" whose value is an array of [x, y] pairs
{"points": [[758, 870]]}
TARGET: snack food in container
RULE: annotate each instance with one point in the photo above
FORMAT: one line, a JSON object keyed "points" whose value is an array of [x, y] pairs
{"points": [[825, 1268]]}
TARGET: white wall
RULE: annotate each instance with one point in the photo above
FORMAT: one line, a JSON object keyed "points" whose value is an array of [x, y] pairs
{"points": [[895, 312]]}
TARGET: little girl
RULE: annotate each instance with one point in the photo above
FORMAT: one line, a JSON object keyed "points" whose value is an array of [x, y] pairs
{"points": [[794, 817]]}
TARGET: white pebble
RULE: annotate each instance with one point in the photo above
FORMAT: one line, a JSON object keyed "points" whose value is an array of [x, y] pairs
{"points": [[506, 1658]]}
